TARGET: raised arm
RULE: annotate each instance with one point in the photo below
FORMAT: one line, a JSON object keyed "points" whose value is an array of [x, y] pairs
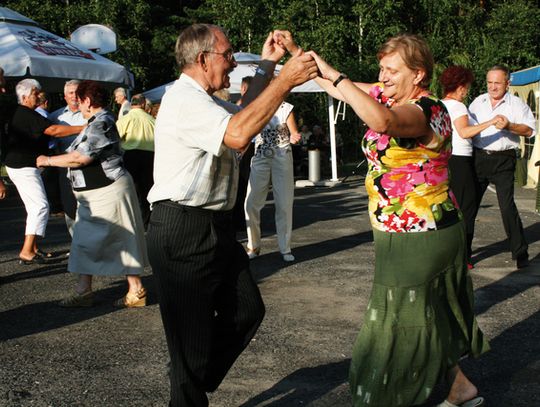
{"points": [[245, 124], [259, 108], [285, 38], [407, 121]]}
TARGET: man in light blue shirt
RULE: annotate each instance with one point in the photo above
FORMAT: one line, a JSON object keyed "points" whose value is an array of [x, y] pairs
{"points": [[70, 115]]}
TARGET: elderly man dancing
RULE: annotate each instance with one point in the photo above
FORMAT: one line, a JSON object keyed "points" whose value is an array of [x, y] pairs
{"points": [[209, 302]]}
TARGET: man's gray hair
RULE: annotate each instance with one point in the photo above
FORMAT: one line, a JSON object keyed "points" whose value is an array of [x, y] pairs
{"points": [[502, 68], [25, 88], [192, 41], [73, 82], [120, 90]]}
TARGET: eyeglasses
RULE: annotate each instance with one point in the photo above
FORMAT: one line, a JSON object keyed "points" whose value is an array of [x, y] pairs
{"points": [[227, 55]]}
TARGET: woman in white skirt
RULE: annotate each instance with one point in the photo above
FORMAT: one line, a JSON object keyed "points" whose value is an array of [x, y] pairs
{"points": [[28, 137], [272, 164], [108, 235]]}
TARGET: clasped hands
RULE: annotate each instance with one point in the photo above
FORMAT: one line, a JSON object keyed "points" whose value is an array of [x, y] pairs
{"points": [[500, 122], [302, 66]]}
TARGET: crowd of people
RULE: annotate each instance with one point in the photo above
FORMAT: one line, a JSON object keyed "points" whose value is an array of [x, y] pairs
{"points": [[429, 163]]}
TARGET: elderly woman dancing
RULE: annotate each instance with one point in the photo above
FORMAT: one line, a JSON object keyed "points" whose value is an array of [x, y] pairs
{"points": [[28, 137], [419, 321], [108, 235]]}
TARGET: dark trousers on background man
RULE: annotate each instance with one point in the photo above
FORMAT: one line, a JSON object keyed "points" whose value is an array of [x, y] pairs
{"points": [[498, 168], [69, 203], [50, 181], [140, 164], [210, 305]]}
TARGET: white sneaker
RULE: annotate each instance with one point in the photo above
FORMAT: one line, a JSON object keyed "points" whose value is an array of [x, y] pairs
{"points": [[288, 257]]}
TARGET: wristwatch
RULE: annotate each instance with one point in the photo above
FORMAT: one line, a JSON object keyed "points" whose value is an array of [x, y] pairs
{"points": [[339, 79]]}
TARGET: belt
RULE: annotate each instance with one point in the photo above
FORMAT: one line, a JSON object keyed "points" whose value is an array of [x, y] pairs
{"points": [[194, 209], [510, 153]]}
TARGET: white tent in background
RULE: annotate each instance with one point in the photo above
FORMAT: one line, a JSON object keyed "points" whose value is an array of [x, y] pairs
{"points": [[526, 85], [28, 51], [247, 64]]}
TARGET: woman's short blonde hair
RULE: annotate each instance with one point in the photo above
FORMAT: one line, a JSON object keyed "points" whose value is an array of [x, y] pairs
{"points": [[414, 51]]}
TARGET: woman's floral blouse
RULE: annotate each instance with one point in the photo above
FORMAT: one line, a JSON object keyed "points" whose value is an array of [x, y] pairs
{"points": [[407, 181]]}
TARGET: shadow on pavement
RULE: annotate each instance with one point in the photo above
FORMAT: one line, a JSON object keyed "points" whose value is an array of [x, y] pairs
{"points": [[273, 264], [44, 316], [46, 270], [532, 235], [511, 368], [303, 386], [505, 288]]}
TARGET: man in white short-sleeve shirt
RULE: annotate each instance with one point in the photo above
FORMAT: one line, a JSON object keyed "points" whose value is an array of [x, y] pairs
{"points": [[496, 151], [209, 302]]}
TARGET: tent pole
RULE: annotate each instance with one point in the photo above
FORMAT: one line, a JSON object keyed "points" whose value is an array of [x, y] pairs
{"points": [[332, 126]]}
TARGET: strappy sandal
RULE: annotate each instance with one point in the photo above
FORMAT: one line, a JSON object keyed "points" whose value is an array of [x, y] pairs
{"points": [[37, 259], [132, 300], [45, 255]]}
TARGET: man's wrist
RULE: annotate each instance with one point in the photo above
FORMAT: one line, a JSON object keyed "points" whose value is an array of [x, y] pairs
{"points": [[265, 68]]}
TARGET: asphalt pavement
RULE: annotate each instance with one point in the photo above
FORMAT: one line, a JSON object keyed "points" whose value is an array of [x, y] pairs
{"points": [[104, 357]]}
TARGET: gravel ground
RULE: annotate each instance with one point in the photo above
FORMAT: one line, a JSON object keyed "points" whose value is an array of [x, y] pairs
{"points": [[103, 357]]}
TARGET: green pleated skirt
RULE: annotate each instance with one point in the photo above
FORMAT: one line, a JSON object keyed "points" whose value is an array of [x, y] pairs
{"points": [[419, 321]]}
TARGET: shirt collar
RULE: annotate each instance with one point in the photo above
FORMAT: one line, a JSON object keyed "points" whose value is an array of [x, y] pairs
{"points": [[68, 110], [188, 79], [505, 99]]}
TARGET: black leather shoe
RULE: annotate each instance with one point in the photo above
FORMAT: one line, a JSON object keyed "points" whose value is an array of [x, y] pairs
{"points": [[522, 262]]}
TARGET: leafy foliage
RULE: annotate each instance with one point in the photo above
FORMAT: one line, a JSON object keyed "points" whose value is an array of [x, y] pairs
{"points": [[347, 33]]}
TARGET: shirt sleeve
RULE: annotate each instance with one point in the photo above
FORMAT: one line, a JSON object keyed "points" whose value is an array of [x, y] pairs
{"points": [[96, 138], [35, 125], [284, 111], [525, 116], [437, 118]]}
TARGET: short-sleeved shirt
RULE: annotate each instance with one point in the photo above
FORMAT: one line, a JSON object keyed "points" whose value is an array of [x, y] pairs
{"points": [[99, 140], [67, 117], [460, 146], [276, 133], [493, 139], [136, 130], [407, 181], [26, 138], [125, 107], [192, 166]]}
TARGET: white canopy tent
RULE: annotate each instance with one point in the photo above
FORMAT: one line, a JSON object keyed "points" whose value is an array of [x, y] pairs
{"points": [[526, 85], [28, 51], [247, 64]]}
